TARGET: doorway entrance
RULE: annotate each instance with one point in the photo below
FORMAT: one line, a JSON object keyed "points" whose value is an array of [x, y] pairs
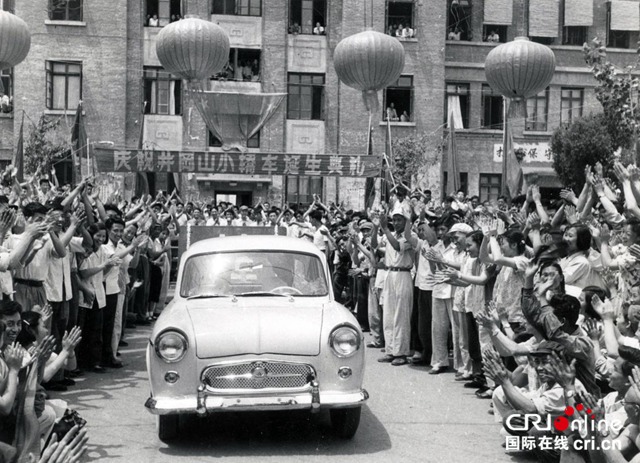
{"points": [[239, 198]]}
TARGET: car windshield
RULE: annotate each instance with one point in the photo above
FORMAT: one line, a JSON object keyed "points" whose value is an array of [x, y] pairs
{"points": [[253, 273]]}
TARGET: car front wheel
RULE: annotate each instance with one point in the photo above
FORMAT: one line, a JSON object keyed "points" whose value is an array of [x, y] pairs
{"points": [[345, 421], [168, 427]]}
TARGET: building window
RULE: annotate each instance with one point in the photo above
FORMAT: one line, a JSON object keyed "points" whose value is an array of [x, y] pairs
{"points": [[398, 100], [162, 92], [490, 186], [543, 40], [65, 10], [619, 39], [537, 107], [215, 142], [162, 12], [571, 100], [492, 109], [6, 91], [464, 183], [457, 99], [237, 7], [495, 34], [8, 5], [400, 19], [300, 189], [306, 96], [243, 65], [64, 85], [307, 16], [459, 20], [574, 35]]}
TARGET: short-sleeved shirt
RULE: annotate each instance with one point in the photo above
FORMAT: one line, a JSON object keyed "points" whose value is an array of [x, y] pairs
{"points": [[321, 241], [111, 276], [96, 259], [508, 289], [402, 258], [424, 274]]}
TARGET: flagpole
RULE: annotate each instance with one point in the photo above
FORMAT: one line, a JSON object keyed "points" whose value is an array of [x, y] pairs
{"points": [[504, 190]]}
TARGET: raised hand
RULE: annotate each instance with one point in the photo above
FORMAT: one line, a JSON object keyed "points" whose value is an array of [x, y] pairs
{"points": [[564, 374], [568, 195], [13, 356], [494, 368], [621, 172], [45, 312], [45, 349], [571, 214], [434, 255], [501, 227], [533, 221], [519, 219], [71, 339], [7, 220], [535, 193], [603, 308], [592, 329]]}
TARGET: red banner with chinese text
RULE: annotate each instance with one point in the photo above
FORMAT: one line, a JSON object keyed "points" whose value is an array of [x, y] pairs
{"points": [[206, 162]]}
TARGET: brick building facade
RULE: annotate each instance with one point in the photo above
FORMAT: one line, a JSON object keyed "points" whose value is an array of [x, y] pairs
{"points": [[104, 53]]}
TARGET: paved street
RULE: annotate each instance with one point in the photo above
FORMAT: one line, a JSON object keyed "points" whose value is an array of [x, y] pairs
{"points": [[411, 416]]}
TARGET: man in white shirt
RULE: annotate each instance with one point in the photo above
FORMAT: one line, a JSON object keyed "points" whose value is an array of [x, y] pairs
{"points": [[244, 220], [318, 30]]}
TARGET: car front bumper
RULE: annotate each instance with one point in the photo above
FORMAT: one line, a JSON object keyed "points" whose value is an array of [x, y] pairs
{"points": [[204, 402]]}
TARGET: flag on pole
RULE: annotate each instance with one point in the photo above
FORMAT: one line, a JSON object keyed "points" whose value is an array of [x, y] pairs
{"points": [[142, 181], [18, 156], [78, 145], [453, 176], [511, 169]]}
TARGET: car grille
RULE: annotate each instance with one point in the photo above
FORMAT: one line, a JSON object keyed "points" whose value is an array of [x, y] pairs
{"points": [[258, 375]]}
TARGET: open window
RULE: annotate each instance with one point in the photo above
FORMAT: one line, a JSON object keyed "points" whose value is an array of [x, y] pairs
{"points": [[243, 65], [492, 108], [494, 33], [623, 24], [400, 21], [237, 7], [159, 13], [6, 91], [300, 189], [253, 142], [307, 17], [8, 5], [398, 100], [459, 20], [490, 186], [574, 35], [457, 100]]}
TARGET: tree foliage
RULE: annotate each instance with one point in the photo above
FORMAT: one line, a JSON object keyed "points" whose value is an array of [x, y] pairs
{"points": [[412, 156], [583, 142], [43, 147], [616, 91]]}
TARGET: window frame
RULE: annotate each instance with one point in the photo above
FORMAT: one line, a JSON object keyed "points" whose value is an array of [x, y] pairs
{"points": [[8, 75], [463, 11], [397, 87], [309, 195], [485, 185], [234, 58], [303, 29], [483, 112], [464, 110], [53, 8], [501, 30], [8, 6], [49, 87], [571, 99], [630, 37], [570, 34], [238, 5], [158, 74], [299, 86], [412, 22], [544, 95]]}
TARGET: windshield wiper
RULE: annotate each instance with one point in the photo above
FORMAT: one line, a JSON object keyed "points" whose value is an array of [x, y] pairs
{"points": [[206, 295], [262, 293]]}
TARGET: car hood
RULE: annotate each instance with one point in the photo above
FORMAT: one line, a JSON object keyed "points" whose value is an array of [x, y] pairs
{"points": [[256, 325]]}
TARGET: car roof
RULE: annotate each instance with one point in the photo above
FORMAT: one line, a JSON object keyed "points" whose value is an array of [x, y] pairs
{"points": [[252, 243]]}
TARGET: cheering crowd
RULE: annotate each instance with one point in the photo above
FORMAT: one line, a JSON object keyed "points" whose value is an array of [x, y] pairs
{"points": [[533, 302]]}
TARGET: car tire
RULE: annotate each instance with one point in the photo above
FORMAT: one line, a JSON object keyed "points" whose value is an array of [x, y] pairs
{"points": [[345, 421], [168, 427]]}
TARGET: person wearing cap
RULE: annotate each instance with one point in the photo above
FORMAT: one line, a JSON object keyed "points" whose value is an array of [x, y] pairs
{"points": [[510, 402], [397, 293]]}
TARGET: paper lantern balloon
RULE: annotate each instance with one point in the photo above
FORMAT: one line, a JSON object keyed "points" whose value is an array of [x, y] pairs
{"points": [[519, 70], [15, 40], [192, 48], [369, 61]]}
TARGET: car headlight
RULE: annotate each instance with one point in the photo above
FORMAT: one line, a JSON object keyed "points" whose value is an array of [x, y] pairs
{"points": [[344, 341], [171, 346]]}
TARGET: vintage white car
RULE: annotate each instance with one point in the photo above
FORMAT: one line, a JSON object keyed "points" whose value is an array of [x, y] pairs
{"points": [[254, 326]]}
